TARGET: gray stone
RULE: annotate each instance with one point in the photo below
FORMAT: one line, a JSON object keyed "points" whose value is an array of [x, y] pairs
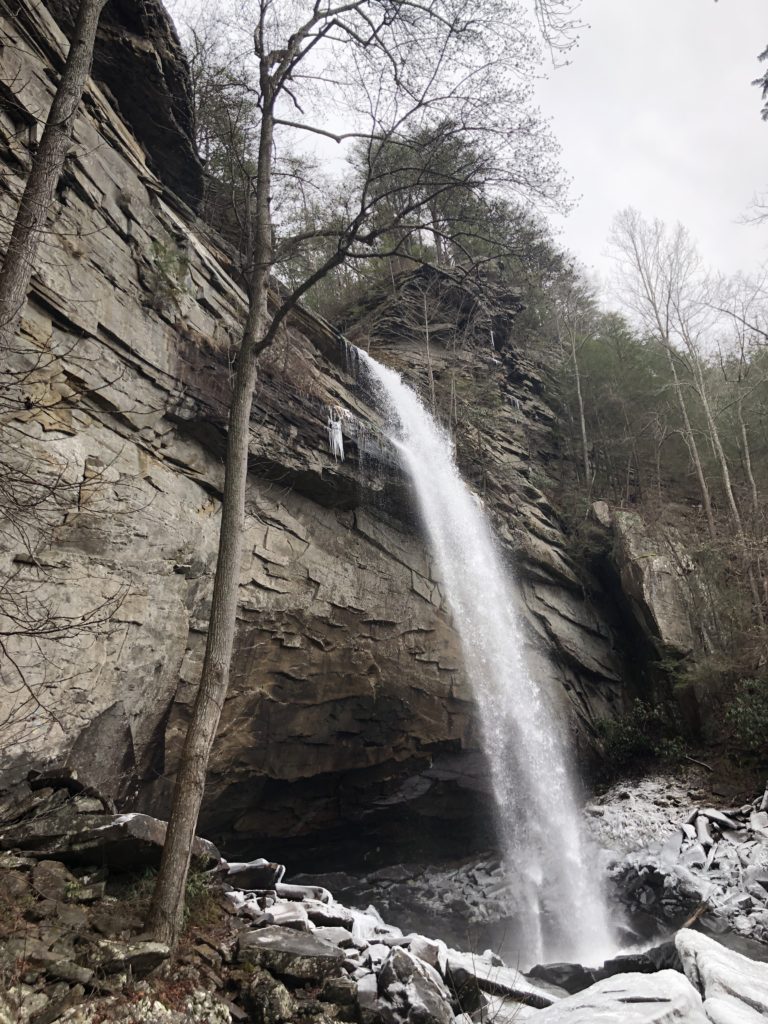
{"points": [[570, 977], [254, 874], [121, 842], [67, 971], [268, 1000], [340, 937], [289, 954], [431, 951], [111, 956], [339, 990], [411, 992]]}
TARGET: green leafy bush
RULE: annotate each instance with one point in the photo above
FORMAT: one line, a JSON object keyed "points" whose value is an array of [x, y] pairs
{"points": [[641, 734], [747, 715]]}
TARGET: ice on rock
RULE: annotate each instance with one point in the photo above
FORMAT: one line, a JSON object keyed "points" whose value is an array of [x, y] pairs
{"points": [[734, 988], [663, 998]]}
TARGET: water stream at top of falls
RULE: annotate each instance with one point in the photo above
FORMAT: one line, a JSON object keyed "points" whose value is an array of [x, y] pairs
{"points": [[562, 911]]}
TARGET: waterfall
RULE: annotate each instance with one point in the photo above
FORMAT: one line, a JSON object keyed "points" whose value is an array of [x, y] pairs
{"points": [[562, 911]]}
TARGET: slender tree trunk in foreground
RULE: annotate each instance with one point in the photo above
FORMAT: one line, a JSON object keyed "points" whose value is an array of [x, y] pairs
{"points": [[167, 909], [46, 170]]}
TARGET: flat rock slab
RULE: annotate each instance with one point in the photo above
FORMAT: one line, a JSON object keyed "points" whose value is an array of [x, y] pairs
{"points": [[138, 957], [663, 998], [124, 842], [258, 874], [298, 956], [734, 988], [502, 981]]}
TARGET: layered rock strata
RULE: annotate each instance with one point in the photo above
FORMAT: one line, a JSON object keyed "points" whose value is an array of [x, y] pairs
{"points": [[349, 716]]}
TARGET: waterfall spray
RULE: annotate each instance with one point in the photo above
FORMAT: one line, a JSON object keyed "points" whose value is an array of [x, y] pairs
{"points": [[562, 910]]}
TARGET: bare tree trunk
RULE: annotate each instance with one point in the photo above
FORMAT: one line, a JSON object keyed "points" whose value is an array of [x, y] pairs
{"points": [[748, 463], [429, 357], [717, 447], [166, 912], [582, 418], [692, 447], [41, 184]]}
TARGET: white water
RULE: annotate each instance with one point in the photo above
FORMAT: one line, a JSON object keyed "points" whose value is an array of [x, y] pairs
{"points": [[562, 911]]}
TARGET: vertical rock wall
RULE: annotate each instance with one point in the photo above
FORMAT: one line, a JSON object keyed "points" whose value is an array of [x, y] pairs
{"points": [[348, 715]]}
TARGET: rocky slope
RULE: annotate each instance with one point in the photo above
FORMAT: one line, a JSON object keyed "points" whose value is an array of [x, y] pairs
{"points": [[349, 716], [256, 948]]}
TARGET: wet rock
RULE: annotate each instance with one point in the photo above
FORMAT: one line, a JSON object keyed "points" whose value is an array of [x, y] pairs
{"points": [[630, 963], [466, 991], [289, 954], [571, 977], [665, 957], [663, 998], [412, 992]]}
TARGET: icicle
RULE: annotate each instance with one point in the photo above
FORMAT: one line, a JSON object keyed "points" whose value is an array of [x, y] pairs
{"points": [[335, 436], [493, 343]]}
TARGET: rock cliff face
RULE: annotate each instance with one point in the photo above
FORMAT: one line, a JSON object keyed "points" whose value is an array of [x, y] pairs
{"points": [[348, 714]]}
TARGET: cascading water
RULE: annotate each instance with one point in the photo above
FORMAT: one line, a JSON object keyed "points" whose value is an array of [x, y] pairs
{"points": [[562, 911]]}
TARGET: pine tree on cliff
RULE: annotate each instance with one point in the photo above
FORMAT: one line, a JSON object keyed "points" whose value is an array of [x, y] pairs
{"points": [[398, 67], [47, 164]]}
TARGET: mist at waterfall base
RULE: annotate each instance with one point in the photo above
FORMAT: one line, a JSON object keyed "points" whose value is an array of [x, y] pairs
{"points": [[562, 911]]}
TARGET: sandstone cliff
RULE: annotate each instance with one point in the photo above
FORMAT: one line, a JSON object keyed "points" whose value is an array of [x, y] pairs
{"points": [[348, 712]]}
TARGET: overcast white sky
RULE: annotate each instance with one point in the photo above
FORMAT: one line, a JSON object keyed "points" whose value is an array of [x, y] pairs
{"points": [[656, 111]]}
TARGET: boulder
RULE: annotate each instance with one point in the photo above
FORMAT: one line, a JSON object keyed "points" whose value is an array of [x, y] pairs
{"points": [[653, 570], [734, 988], [120, 842], [139, 958], [431, 951], [254, 874], [663, 998], [53, 881], [288, 915], [297, 956], [267, 999], [571, 977], [412, 992], [340, 937]]}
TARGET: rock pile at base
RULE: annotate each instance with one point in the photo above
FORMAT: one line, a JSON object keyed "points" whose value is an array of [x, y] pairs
{"points": [[714, 861], [72, 952]]}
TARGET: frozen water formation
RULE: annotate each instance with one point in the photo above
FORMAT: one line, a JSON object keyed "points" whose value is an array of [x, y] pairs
{"points": [[562, 911]]}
